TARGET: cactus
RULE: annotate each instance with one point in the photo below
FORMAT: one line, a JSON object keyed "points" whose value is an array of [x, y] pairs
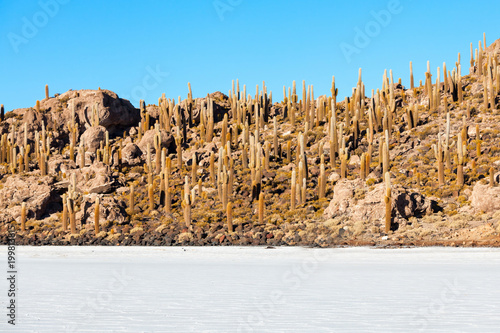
{"points": [[446, 152], [186, 206], [261, 208], [492, 177], [131, 200], [478, 142], [96, 215], [179, 152], [43, 163], [362, 168], [81, 153], [190, 104], [212, 168], [387, 200], [266, 154], [439, 154], [303, 190], [46, 91], [71, 151], [343, 163], [412, 83], [151, 196], [23, 216], [322, 180], [275, 137], [289, 151], [72, 216], [168, 200], [223, 177], [26, 158], [333, 137], [2, 113], [461, 149], [65, 212], [194, 165], [244, 157], [95, 115], [229, 212]]}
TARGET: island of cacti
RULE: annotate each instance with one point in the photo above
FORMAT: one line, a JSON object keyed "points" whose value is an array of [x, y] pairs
{"points": [[416, 165]]}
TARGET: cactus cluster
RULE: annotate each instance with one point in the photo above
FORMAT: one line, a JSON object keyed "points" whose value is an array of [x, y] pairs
{"points": [[252, 140]]}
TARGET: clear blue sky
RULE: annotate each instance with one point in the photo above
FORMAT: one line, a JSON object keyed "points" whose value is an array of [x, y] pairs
{"points": [[130, 46]]}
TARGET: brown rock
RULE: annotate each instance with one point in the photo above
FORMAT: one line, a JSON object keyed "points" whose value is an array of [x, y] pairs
{"points": [[37, 192], [132, 154], [167, 141], [485, 198], [353, 199], [93, 137]]}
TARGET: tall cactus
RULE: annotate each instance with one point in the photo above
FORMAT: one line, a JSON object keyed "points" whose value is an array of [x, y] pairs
{"points": [[461, 149], [96, 215], [439, 154], [261, 208], [388, 205], [23, 216], [229, 212]]}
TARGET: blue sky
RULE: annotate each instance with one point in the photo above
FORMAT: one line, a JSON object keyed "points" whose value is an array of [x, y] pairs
{"points": [[141, 49]]}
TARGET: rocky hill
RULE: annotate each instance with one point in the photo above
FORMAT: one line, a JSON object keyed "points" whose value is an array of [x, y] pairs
{"points": [[415, 165]]}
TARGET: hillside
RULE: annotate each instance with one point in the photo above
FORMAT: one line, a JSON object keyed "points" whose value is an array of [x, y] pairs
{"points": [[401, 166]]}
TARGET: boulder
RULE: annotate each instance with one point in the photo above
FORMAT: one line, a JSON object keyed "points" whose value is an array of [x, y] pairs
{"points": [[59, 164], [37, 192], [167, 141], [354, 199], [485, 198], [99, 179], [111, 209], [115, 115], [96, 178], [221, 106], [131, 154], [93, 137]]}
